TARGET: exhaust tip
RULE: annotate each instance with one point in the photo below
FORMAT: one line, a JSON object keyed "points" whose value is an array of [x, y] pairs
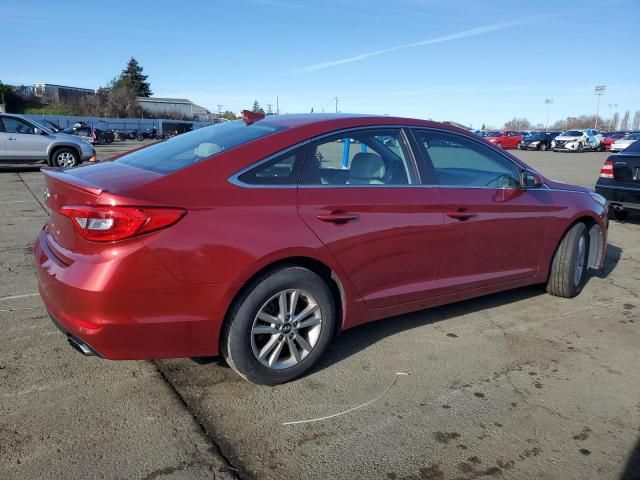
{"points": [[80, 346]]}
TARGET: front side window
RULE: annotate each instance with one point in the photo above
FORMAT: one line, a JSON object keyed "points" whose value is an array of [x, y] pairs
{"points": [[192, 147], [462, 162], [359, 157], [16, 125]]}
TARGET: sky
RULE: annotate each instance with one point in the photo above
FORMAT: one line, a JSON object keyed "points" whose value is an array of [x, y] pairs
{"points": [[473, 62]]}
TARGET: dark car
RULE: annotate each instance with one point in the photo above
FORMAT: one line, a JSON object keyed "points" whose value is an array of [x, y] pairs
{"points": [[93, 135], [538, 141], [619, 181], [259, 240]]}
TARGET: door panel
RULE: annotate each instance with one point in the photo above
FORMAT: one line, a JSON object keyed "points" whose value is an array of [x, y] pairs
{"points": [[502, 241], [359, 192], [494, 229], [391, 246], [3, 141]]}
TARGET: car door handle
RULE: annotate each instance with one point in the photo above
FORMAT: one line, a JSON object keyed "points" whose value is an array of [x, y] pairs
{"points": [[11, 139], [461, 215], [338, 217]]}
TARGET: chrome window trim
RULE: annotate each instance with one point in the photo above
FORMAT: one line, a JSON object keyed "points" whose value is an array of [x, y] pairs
{"points": [[234, 179]]}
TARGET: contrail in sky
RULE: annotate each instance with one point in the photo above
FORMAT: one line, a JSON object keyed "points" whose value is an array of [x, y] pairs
{"points": [[445, 38]]}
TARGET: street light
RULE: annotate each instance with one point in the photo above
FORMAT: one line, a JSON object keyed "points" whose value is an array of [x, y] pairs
{"points": [[612, 106], [599, 91], [548, 101]]}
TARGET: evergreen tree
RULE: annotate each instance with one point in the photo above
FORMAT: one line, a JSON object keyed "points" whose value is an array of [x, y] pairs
{"points": [[133, 78], [256, 107]]}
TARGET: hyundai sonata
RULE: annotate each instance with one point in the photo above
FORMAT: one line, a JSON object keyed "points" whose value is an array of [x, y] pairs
{"points": [[261, 239]]}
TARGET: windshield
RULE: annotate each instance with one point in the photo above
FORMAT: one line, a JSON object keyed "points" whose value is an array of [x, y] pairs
{"points": [[189, 148], [534, 136], [572, 133], [494, 134], [632, 136]]}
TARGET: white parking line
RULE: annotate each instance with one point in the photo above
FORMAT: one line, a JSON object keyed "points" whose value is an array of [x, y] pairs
{"points": [[14, 297]]}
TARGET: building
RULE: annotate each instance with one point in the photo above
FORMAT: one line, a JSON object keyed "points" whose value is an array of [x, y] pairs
{"points": [[60, 93], [175, 107]]}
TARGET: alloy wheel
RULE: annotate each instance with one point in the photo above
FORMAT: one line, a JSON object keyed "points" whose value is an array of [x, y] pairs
{"points": [[65, 159], [286, 329]]}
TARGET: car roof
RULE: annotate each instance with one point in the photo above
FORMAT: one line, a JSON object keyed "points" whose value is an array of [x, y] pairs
{"points": [[307, 119]]}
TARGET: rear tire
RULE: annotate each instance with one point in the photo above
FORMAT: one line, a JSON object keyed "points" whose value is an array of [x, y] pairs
{"points": [[542, 147], [569, 266], [499, 145], [279, 349]]}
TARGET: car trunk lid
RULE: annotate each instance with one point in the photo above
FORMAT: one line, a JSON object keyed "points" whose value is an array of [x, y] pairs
{"points": [[626, 168]]}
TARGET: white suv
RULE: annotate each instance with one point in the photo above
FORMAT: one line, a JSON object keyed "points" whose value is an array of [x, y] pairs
{"points": [[578, 141], [25, 141]]}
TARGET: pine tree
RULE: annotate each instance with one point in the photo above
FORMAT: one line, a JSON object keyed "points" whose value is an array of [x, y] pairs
{"points": [[256, 107], [133, 78]]}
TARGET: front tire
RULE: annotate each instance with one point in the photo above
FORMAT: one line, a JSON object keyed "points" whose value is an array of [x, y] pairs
{"points": [[279, 327], [620, 215], [65, 158], [580, 148], [569, 267], [542, 147]]}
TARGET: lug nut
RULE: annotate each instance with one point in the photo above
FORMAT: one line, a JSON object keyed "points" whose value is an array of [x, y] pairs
{"points": [[280, 337], [291, 335], [295, 324]]}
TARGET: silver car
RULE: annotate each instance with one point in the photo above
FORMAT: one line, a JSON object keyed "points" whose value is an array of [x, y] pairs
{"points": [[25, 141]]}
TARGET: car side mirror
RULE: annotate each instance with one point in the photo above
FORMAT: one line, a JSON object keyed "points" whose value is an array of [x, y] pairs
{"points": [[531, 179]]}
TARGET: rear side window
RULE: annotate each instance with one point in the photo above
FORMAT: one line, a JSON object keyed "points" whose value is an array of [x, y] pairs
{"points": [[281, 170], [189, 148]]}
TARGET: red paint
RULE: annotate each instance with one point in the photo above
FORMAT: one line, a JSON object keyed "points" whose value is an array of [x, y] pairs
{"points": [[392, 249]]}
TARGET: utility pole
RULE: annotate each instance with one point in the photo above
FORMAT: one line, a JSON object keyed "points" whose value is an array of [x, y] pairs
{"points": [[219, 109], [277, 106], [337, 100], [598, 91], [612, 106], [548, 101]]}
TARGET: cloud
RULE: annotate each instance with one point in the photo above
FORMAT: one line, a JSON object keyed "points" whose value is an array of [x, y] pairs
{"points": [[445, 38]]}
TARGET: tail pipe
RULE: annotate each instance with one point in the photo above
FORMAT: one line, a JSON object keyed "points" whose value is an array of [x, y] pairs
{"points": [[80, 346]]}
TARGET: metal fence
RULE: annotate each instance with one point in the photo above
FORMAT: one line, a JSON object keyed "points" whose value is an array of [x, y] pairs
{"points": [[125, 125]]}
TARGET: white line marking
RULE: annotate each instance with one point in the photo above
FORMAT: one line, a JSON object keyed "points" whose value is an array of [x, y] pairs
{"points": [[14, 297], [351, 409]]}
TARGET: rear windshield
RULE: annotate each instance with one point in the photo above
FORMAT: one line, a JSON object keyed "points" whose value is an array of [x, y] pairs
{"points": [[189, 148], [633, 148]]}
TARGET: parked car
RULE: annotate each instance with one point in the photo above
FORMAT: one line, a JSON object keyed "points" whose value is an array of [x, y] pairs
{"points": [[578, 141], [624, 142], [609, 138], [54, 127], [239, 239], [538, 141], [619, 181], [93, 135], [505, 138], [25, 141]]}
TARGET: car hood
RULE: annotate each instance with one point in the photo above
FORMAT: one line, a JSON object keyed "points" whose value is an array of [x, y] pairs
{"points": [[65, 137], [567, 138], [554, 184]]}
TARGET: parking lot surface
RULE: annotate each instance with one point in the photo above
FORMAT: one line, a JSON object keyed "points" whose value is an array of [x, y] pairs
{"points": [[518, 384]]}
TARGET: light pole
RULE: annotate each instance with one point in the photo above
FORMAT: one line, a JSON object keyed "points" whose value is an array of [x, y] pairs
{"points": [[548, 101], [598, 91], [612, 106]]}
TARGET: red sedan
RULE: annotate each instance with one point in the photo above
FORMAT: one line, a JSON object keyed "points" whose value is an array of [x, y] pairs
{"points": [[261, 239], [505, 138]]}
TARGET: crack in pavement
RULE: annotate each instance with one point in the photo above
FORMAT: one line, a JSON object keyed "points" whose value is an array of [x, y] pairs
{"points": [[231, 468], [32, 194]]}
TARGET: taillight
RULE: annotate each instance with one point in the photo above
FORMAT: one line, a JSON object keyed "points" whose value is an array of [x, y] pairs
{"points": [[607, 170], [109, 224]]}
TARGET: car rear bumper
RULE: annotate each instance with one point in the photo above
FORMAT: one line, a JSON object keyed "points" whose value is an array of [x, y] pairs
{"points": [[626, 197], [131, 307]]}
